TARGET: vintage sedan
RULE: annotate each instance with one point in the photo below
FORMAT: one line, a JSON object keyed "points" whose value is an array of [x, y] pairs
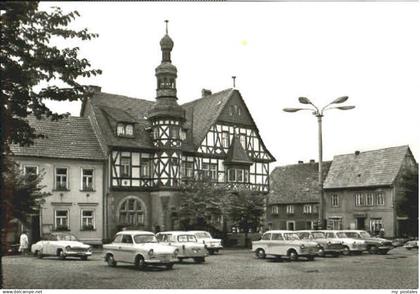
{"points": [[413, 244], [350, 245], [140, 248], [280, 243], [212, 245], [62, 245], [374, 245], [187, 244], [328, 246]]}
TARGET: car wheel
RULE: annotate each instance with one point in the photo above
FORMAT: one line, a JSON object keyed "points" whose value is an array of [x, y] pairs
{"points": [[346, 251], [140, 263], [292, 255], [199, 259], [260, 253], [335, 254], [180, 259], [61, 254], [211, 251], [373, 249], [110, 260], [83, 257], [311, 257], [321, 252], [169, 266], [383, 252], [39, 254]]}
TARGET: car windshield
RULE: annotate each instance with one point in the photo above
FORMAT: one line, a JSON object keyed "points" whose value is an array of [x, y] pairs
{"points": [[342, 235], [365, 235], [145, 239], [187, 238], [353, 235], [64, 237], [318, 235], [291, 236], [202, 235]]}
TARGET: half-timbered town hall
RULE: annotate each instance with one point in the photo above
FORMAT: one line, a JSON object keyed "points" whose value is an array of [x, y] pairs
{"points": [[153, 147]]}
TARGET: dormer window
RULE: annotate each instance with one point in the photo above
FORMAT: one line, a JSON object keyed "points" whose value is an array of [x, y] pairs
{"points": [[125, 130]]}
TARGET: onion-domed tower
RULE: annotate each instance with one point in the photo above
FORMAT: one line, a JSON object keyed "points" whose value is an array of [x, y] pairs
{"points": [[166, 118]]}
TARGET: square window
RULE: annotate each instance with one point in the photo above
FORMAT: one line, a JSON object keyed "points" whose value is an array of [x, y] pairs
{"points": [[61, 179]]}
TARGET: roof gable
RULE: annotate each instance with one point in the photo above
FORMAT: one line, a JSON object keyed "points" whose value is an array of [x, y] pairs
{"points": [[371, 168], [236, 154]]}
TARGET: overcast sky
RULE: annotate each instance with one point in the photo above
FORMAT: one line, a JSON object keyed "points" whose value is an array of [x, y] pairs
{"points": [[278, 51]]}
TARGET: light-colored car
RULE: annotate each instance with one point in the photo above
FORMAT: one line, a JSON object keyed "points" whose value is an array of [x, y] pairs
{"points": [[413, 244], [212, 245], [280, 243], [374, 245], [350, 245], [62, 245], [140, 248], [328, 246], [187, 244]]}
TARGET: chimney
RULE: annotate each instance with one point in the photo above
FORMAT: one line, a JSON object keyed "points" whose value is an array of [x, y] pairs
{"points": [[312, 161], [357, 152], [205, 92], [300, 162]]}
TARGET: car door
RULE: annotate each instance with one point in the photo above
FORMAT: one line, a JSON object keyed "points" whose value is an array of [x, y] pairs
{"points": [[127, 248], [276, 244], [115, 247]]}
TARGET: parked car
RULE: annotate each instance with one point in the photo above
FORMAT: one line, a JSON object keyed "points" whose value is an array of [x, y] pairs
{"points": [[375, 245], [62, 245], [350, 245], [187, 244], [413, 244], [328, 246], [212, 245], [140, 248], [280, 243], [399, 242]]}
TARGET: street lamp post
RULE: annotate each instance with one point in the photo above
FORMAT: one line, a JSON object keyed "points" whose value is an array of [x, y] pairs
{"points": [[319, 114]]}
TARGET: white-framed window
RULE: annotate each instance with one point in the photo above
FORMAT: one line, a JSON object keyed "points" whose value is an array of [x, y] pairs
{"points": [[213, 171], [145, 167], [129, 130], [380, 199], [376, 224], [120, 129], [334, 200], [125, 129], [307, 208], [369, 199], [30, 169], [131, 212], [87, 219], [275, 209], [156, 133], [87, 179], [315, 208], [335, 223], [290, 209], [238, 175], [125, 167], [61, 178], [358, 199], [61, 220], [242, 139], [225, 139], [188, 169], [174, 133]]}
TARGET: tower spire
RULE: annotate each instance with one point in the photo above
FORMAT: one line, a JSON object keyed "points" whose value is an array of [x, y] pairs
{"points": [[166, 21], [234, 79]]}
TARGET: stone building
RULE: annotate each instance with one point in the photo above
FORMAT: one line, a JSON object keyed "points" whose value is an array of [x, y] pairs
{"points": [[294, 196], [365, 190], [71, 162], [153, 147]]}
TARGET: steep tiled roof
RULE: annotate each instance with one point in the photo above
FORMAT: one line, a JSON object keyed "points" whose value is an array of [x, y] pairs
{"points": [[370, 168], [237, 154], [70, 138], [110, 108], [204, 113], [296, 183]]}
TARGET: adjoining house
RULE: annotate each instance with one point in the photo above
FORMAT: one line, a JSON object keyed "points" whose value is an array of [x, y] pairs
{"points": [[293, 200], [366, 190], [71, 162]]}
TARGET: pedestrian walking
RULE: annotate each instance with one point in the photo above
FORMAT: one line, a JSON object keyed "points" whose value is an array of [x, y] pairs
{"points": [[23, 243]]}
